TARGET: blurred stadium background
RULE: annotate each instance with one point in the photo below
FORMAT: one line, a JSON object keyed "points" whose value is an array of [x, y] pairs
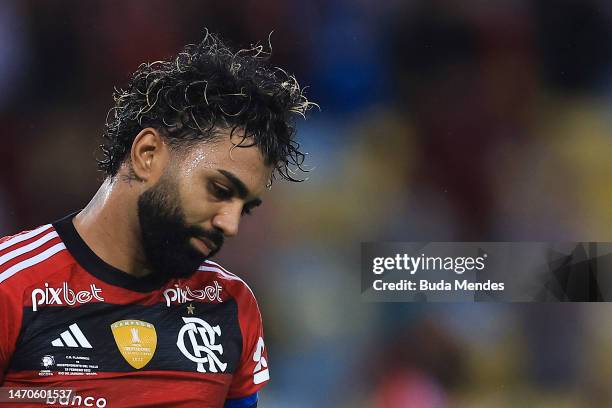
{"points": [[441, 120]]}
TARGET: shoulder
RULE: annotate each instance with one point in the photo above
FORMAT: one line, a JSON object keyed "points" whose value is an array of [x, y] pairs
{"points": [[233, 284], [27, 251]]}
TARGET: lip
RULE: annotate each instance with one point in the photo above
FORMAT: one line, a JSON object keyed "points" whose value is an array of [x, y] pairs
{"points": [[203, 245]]}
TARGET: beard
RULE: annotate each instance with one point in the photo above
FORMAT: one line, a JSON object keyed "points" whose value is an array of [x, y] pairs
{"points": [[166, 235]]}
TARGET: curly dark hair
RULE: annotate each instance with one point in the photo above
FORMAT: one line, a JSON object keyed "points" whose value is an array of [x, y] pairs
{"points": [[207, 87]]}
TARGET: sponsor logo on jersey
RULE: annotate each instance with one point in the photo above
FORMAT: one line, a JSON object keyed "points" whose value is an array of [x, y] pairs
{"points": [[73, 337], [203, 348], [186, 294], [136, 340], [64, 295], [260, 373]]}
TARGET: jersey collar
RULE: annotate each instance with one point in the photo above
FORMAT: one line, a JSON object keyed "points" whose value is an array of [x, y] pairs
{"points": [[96, 266]]}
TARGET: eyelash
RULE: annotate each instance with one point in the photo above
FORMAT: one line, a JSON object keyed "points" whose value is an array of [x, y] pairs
{"points": [[224, 194], [220, 192]]}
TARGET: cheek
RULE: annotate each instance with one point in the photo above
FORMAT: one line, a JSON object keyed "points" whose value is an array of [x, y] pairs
{"points": [[196, 204]]}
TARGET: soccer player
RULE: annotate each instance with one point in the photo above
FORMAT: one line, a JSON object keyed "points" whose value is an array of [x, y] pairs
{"points": [[120, 301]]}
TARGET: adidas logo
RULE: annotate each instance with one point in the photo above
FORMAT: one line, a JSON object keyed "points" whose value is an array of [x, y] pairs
{"points": [[73, 337]]}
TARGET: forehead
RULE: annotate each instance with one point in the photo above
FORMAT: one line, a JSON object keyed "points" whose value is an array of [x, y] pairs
{"points": [[229, 153]]}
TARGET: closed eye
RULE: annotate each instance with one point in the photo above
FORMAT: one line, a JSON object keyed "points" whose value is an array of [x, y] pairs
{"points": [[221, 192]]}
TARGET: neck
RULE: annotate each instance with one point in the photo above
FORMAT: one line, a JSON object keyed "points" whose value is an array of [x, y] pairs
{"points": [[109, 226]]}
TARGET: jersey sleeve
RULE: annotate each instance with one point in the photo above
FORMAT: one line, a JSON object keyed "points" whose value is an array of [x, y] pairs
{"points": [[246, 402], [10, 324], [252, 373]]}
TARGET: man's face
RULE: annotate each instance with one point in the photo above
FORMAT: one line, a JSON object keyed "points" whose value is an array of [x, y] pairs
{"points": [[199, 201]]}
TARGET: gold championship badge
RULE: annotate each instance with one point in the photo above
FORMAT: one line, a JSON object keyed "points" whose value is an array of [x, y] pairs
{"points": [[136, 341]]}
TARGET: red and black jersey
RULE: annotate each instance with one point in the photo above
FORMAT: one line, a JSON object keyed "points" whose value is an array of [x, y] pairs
{"points": [[69, 320]]}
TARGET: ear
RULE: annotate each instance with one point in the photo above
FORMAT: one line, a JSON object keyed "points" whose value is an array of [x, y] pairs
{"points": [[149, 155]]}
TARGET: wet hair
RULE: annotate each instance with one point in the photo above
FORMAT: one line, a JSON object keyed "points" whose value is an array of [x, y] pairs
{"points": [[208, 87]]}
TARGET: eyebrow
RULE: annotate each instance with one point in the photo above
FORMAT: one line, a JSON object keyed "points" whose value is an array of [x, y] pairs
{"points": [[243, 191]]}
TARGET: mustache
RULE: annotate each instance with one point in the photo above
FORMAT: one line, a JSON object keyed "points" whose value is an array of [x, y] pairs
{"points": [[214, 236]]}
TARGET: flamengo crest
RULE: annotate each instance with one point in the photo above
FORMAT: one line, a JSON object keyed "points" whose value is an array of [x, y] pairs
{"points": [[203, 348]]}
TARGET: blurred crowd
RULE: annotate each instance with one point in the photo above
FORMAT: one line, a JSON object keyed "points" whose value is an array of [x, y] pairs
{"points": [[440, 120]]}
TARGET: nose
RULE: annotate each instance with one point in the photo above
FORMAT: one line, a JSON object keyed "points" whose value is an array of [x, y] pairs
{"points": [[228, 220]]}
